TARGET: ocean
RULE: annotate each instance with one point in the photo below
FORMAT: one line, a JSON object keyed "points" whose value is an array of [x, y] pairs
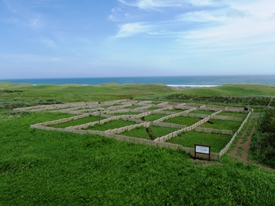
{"points": [[176, 81]]}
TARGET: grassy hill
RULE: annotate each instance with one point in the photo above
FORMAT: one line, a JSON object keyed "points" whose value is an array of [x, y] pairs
{"points": [[40, 167], [233, 90]]}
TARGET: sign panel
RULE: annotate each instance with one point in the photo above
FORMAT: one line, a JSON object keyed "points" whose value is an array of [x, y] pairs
{"points": [[202, 149]]}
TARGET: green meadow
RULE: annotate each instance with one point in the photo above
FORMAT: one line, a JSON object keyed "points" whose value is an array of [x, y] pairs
{"points": [[39, 167]]}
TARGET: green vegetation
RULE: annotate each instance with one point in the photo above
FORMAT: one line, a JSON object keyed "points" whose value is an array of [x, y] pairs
{"points": [[174, 110], [188, 139], [153, 117], [39, 167], [222, 124], [183, 120], [78, 122], [155, 131], [237, 95], [131, 107], [228, 100], [111, 125], [152, 108], [272, 103], [202, 112], [48, 94], [139, 132], [231, 90], [124, 113], [233, 114], [263, 143]]}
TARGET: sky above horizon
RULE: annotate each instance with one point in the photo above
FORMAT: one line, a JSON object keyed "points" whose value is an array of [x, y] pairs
{"points": [[111, 38]]}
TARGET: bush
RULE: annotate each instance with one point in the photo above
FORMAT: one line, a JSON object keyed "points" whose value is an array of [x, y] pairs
{"points": [[263, 143]]}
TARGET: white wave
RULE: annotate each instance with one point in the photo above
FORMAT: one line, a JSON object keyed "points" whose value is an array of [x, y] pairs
{"points": [[191, 86]]}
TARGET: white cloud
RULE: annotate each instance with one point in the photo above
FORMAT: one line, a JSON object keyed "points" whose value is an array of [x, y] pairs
{"points": [[235, 25], [199, 16], [130, 29], [153, 4], [157, 4]]}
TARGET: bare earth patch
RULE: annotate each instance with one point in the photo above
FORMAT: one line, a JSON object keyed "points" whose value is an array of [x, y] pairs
{"points": [[242, 147]]}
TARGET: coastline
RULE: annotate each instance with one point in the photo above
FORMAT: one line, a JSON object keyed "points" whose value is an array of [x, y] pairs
{"points": [[171, 81]]}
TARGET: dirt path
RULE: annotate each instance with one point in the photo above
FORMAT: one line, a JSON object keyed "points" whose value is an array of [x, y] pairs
{"points": [[242, 147]]}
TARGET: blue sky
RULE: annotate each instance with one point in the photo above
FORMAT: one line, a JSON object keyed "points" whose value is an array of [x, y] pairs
{"points": [[108, 38]]}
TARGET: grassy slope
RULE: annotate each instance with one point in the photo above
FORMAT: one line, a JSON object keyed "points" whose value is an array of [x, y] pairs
{"points": [[53, 168], [75, 93], [233, 90]]}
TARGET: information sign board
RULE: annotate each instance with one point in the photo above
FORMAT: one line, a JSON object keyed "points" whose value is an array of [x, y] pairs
{"points": [[202, 149]]}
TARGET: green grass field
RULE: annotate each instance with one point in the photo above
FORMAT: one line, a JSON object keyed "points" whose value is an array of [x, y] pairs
{"points": [[233, 114], [233, 90], [39, 167], [124, 113], [188, 121], [222, 124], [140, 132], [202, 112], [153, 117], [78, 122], [188, 139], [111, 125]]}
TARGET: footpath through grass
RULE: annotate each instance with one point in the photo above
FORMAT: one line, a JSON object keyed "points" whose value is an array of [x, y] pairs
{"points": [[40, 167]]}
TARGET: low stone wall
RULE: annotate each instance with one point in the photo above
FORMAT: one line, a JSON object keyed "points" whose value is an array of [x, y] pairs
{"points": [[169, 125], [174, 115], [143, 103], [107, 103], [176, 133], [93, 107], [213, 156], [184, 107], [132, 102], [127, 128], [228, 118], [208, 108], [103, 121], [142, 114], [64, 120], [139, 109], [217, 131], [195, 115], [231, 109], [163, 104], [119, 107], [157, 111], [39, 108], [117, 111]]}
